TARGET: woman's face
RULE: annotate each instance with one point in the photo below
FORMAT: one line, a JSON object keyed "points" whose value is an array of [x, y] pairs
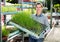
{"points": [[39, 8]]}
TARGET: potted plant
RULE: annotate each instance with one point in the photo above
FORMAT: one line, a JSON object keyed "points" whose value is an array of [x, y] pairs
{"points": [[5, 33]]}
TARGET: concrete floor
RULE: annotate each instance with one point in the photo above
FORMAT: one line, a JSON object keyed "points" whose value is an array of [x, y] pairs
{"points": [[53, 35]]}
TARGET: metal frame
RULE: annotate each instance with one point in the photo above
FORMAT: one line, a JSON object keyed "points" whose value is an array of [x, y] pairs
{"points": [[12, 35], [51, 13], [11, 12], [0, 24]]}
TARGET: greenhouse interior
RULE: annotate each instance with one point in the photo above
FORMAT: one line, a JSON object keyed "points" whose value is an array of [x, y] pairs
{"points": [[17, 24]]}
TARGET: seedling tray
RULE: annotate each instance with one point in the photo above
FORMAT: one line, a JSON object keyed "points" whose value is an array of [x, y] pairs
{"points": [[30, 32]]}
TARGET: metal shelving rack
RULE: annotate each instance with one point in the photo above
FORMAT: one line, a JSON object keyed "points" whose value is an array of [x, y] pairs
{"points": [[19, 2], [15, 34], [10, 13]]}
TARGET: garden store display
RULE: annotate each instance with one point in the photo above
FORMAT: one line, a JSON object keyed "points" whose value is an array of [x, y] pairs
{"points": [[5, 33], [8, 9], [24, 20]]}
